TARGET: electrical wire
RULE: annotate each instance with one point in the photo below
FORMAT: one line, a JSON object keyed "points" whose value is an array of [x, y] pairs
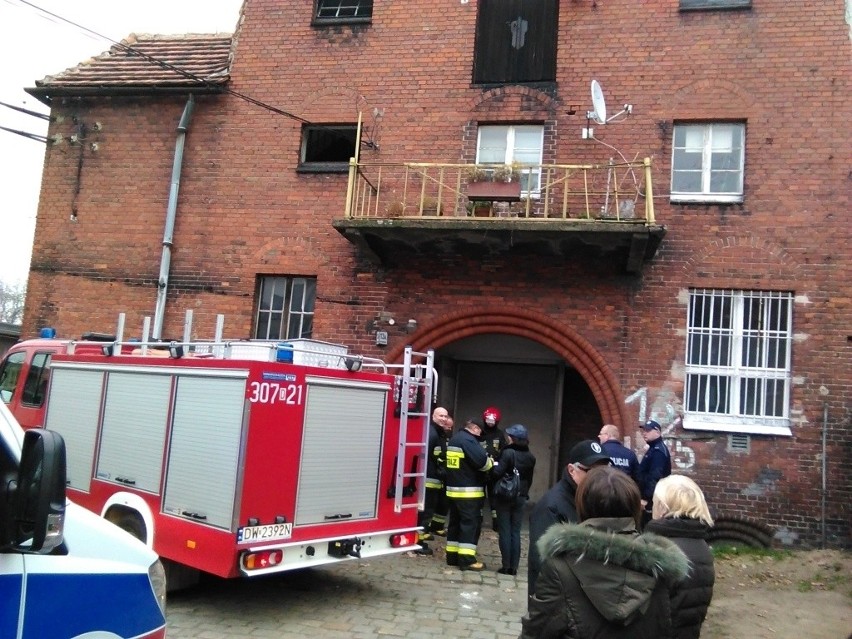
{"points": [[26, 134], [35, 114], [166, 65]]}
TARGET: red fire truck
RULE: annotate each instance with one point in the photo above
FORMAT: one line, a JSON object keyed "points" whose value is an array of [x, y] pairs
{"points": [[238, 458]]}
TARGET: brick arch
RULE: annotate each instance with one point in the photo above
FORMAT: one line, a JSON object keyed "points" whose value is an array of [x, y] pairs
{"points": [[543, 100], [537, 327]]}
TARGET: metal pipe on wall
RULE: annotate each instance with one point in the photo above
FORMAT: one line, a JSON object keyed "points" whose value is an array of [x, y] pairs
{"points": [[171, 214]]}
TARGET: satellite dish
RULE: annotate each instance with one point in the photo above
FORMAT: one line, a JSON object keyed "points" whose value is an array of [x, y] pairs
{"points": [[598, 103]]}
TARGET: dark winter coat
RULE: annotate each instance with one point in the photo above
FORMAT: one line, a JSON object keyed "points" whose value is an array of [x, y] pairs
{"points": [[516, 455], [556, 506], [603, 579], [436, 457], [691, 597]]}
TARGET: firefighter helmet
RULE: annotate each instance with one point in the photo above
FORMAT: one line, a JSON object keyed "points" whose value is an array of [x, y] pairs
{"points": [[491, 417]]}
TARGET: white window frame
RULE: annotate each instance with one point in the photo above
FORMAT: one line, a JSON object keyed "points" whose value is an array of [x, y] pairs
{"points": [[708, 139], [276, 307], [738, 353], [531, 171]]}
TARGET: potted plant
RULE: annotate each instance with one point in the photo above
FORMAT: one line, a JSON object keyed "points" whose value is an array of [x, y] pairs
{"points": [[479, 208], [431, 206], [498, 184], [395, 208]]}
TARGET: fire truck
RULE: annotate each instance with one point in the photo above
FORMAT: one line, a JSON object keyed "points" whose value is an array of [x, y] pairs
{"points": [[237, 458]]}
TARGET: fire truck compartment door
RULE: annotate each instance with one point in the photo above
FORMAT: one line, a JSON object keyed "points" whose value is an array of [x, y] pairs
{"points": [[73, 411], [206, 444], [341, 452], [133, 433]]}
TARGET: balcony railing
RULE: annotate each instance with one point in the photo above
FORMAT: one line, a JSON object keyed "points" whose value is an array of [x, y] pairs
{"points": [[582, 193]]}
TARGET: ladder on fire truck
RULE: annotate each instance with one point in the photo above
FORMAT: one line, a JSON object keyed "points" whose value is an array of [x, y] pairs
{"points": [[413, 389], [415, 399]]}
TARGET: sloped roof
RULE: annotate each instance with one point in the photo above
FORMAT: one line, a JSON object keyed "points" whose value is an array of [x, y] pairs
{"points": [[145, 61]]}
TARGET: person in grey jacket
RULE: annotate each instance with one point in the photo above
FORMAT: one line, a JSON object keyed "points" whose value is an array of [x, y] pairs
{"points": [[681, 514], [601, 578]]}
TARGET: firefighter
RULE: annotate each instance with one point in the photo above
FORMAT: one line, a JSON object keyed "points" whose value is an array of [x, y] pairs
{"points": [[435, 472], [468, 466], [492, 441]]}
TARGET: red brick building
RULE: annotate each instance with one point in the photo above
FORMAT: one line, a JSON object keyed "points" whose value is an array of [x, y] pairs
{"points": [[706, 287]]}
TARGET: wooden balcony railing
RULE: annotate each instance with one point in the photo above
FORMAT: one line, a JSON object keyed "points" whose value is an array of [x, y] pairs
{"points": [[582, 193]]}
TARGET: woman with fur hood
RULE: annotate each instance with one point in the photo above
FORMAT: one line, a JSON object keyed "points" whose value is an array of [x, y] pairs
{"points": [[601, 578], [681, 514]]}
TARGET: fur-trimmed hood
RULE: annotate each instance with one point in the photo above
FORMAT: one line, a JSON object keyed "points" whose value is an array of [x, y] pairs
{"points": [[616, 567]]}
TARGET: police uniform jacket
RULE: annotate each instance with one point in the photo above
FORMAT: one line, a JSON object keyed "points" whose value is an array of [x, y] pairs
{"points": [[622, 458], [656, 464], [467, 466]]}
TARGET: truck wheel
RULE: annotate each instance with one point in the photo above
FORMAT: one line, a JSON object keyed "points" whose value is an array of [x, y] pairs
{"points": [[131, 523]]}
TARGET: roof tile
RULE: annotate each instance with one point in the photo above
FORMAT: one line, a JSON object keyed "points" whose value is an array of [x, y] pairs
{"points": [[152, 61]]}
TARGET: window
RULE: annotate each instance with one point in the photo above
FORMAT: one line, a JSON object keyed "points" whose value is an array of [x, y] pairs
{"points": [[515, 41], [686, 5], [738, 361], [707, 162], [9, 373], [35, 388], [520, 144], [327, 148], [344, 10], [285, 307]]}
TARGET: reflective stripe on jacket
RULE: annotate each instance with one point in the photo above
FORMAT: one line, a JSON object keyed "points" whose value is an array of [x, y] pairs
{"points": [[467, 467]]}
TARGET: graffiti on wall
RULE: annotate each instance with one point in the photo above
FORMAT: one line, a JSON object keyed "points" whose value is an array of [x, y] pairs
{"points": [[662, 410]]}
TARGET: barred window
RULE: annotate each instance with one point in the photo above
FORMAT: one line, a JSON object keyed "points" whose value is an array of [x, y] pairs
{"points": [[738, 355], [285, 307]]}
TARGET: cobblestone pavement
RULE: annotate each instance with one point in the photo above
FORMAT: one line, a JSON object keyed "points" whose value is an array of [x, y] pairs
{"points": [[399, 596]]}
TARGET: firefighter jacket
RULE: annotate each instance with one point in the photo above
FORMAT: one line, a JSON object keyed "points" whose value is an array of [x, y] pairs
{"points": [[492, 440], [436, 457], [467, 467]]}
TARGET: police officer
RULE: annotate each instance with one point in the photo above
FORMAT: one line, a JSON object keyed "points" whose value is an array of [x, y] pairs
{"points": [[621, 457], [468, 466], [656, 464]]}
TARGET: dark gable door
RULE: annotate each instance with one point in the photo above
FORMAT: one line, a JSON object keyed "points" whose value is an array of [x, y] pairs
{"points": [[515, 41]]}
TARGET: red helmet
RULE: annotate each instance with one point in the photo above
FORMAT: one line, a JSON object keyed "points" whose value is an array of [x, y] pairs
{"points": [[491, 417]]}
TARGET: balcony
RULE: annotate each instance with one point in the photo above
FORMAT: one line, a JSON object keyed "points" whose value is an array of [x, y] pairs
{"points": [[573, 211]]}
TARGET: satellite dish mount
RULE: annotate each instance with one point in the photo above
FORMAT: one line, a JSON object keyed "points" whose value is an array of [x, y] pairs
{"points": [[599, 114]]}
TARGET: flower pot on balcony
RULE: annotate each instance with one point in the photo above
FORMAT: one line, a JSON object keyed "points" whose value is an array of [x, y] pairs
{"points": [[494, 191]]}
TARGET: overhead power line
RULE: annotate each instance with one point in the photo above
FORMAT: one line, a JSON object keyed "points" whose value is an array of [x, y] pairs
{"points": [[166, 65], [35, 114], [26, 134]]}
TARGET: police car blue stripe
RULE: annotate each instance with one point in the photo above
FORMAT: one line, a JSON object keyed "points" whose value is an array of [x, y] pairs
{"points": [[10, 604], [80, 603]]}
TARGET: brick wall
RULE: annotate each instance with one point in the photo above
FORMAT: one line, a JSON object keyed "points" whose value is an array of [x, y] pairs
{"points": [[244, 211]]}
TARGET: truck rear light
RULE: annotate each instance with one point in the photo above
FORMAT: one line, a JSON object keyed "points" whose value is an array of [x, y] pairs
{"points": [[404, 539], [263, 559]]}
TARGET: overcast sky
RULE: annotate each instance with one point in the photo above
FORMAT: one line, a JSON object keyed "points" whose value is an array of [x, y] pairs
{"points": [[33, 45]]}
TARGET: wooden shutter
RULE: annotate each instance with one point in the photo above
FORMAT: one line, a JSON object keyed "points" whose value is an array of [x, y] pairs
{"points": [[516, 41]]}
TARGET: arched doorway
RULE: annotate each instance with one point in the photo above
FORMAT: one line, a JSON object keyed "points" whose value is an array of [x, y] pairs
{"points": [[536, 370]]}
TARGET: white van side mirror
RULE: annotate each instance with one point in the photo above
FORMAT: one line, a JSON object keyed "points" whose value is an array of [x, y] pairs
{"points": [[38, 497]]}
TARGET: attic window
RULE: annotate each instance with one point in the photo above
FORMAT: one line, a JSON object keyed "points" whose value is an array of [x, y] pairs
{"points": [[337, 11]]}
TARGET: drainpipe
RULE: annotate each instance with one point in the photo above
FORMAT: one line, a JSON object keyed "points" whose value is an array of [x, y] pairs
{"points": [[824, 467], [171, 213]]}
